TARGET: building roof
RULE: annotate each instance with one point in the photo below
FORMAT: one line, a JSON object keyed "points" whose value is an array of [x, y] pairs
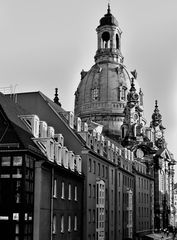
{"points": [[14, 130], [108, 19], [47, 110]]}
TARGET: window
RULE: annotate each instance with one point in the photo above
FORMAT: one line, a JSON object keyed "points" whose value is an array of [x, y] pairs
{"points": [[117, 41], [75, 223], [89, 216], [17, 161], [100, 209], [75, 193], [123, 94], [118, 93], [93, 215], [95, 92], [55, 188], [62, 224], [69, 192], [112, 217], [54, 224], [69, 223], [94, 167], [112, 175], [90, 190], [119, 198], [17, 198], [98, 169], [90, 165], [62, 190], [5, 161], [17, 173], [112, 197], [119, 180], [105, 40], [94, 193]]}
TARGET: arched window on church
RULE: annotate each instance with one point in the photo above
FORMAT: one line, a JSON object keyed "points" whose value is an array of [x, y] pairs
{"points": [[123, 132], [123, 97], [117, 41], [95, 94], [118, 93], [106, 40]]}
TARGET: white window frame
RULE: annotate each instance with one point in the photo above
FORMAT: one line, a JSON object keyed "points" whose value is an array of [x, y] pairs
{"points": [[75, 193], [62, 190], [55, 188], [54, 224], [69, 191], [75, 223], [62, 224], [69, 223]]}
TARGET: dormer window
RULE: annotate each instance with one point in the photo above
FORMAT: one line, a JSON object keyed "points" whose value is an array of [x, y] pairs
{"points": [[95, 93]]}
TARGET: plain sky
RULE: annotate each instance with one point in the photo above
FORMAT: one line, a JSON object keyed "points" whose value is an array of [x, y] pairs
{"points": [[45, 44]]}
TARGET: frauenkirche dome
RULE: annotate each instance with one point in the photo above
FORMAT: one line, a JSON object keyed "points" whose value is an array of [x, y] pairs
{"points": [[102, 92]]}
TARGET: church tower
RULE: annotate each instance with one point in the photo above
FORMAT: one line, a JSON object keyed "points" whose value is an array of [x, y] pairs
{"points": [[102, 92]]}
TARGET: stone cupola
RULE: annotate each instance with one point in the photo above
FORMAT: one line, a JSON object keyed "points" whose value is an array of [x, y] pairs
{"points": [[101, 95]]}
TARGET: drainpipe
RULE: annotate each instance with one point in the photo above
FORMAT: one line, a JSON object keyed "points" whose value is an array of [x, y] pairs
{"points": [[51, 205]]}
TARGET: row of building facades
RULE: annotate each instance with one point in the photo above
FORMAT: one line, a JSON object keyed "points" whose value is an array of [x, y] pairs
{"points": [[99, 173]]}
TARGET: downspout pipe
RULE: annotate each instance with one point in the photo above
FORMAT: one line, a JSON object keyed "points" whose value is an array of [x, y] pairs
{"points": [[51, 204]]}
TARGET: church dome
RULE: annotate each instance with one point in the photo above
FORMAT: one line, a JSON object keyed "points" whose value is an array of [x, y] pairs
{"points": [[102, 92], [102, 95]]}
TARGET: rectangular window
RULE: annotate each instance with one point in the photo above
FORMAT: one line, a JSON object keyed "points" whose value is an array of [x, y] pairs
{"points": [[17, 173], [112, 176], [112, 199], [75, 223], [90, 165], [62, 190], [94, 167], [94, 193], [112, 219], [90, 190], [17, 161], [75, 193], [119, 198], [93, 215], [5, 175], [55, 188], [5, 161], [62, 224], [69, 223], [69, 192], [17, 228], [89, 216], [98, 169], [54, 224]]}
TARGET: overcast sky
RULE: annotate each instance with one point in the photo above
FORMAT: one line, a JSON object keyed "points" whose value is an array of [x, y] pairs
{"points": [[46, 43]]}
